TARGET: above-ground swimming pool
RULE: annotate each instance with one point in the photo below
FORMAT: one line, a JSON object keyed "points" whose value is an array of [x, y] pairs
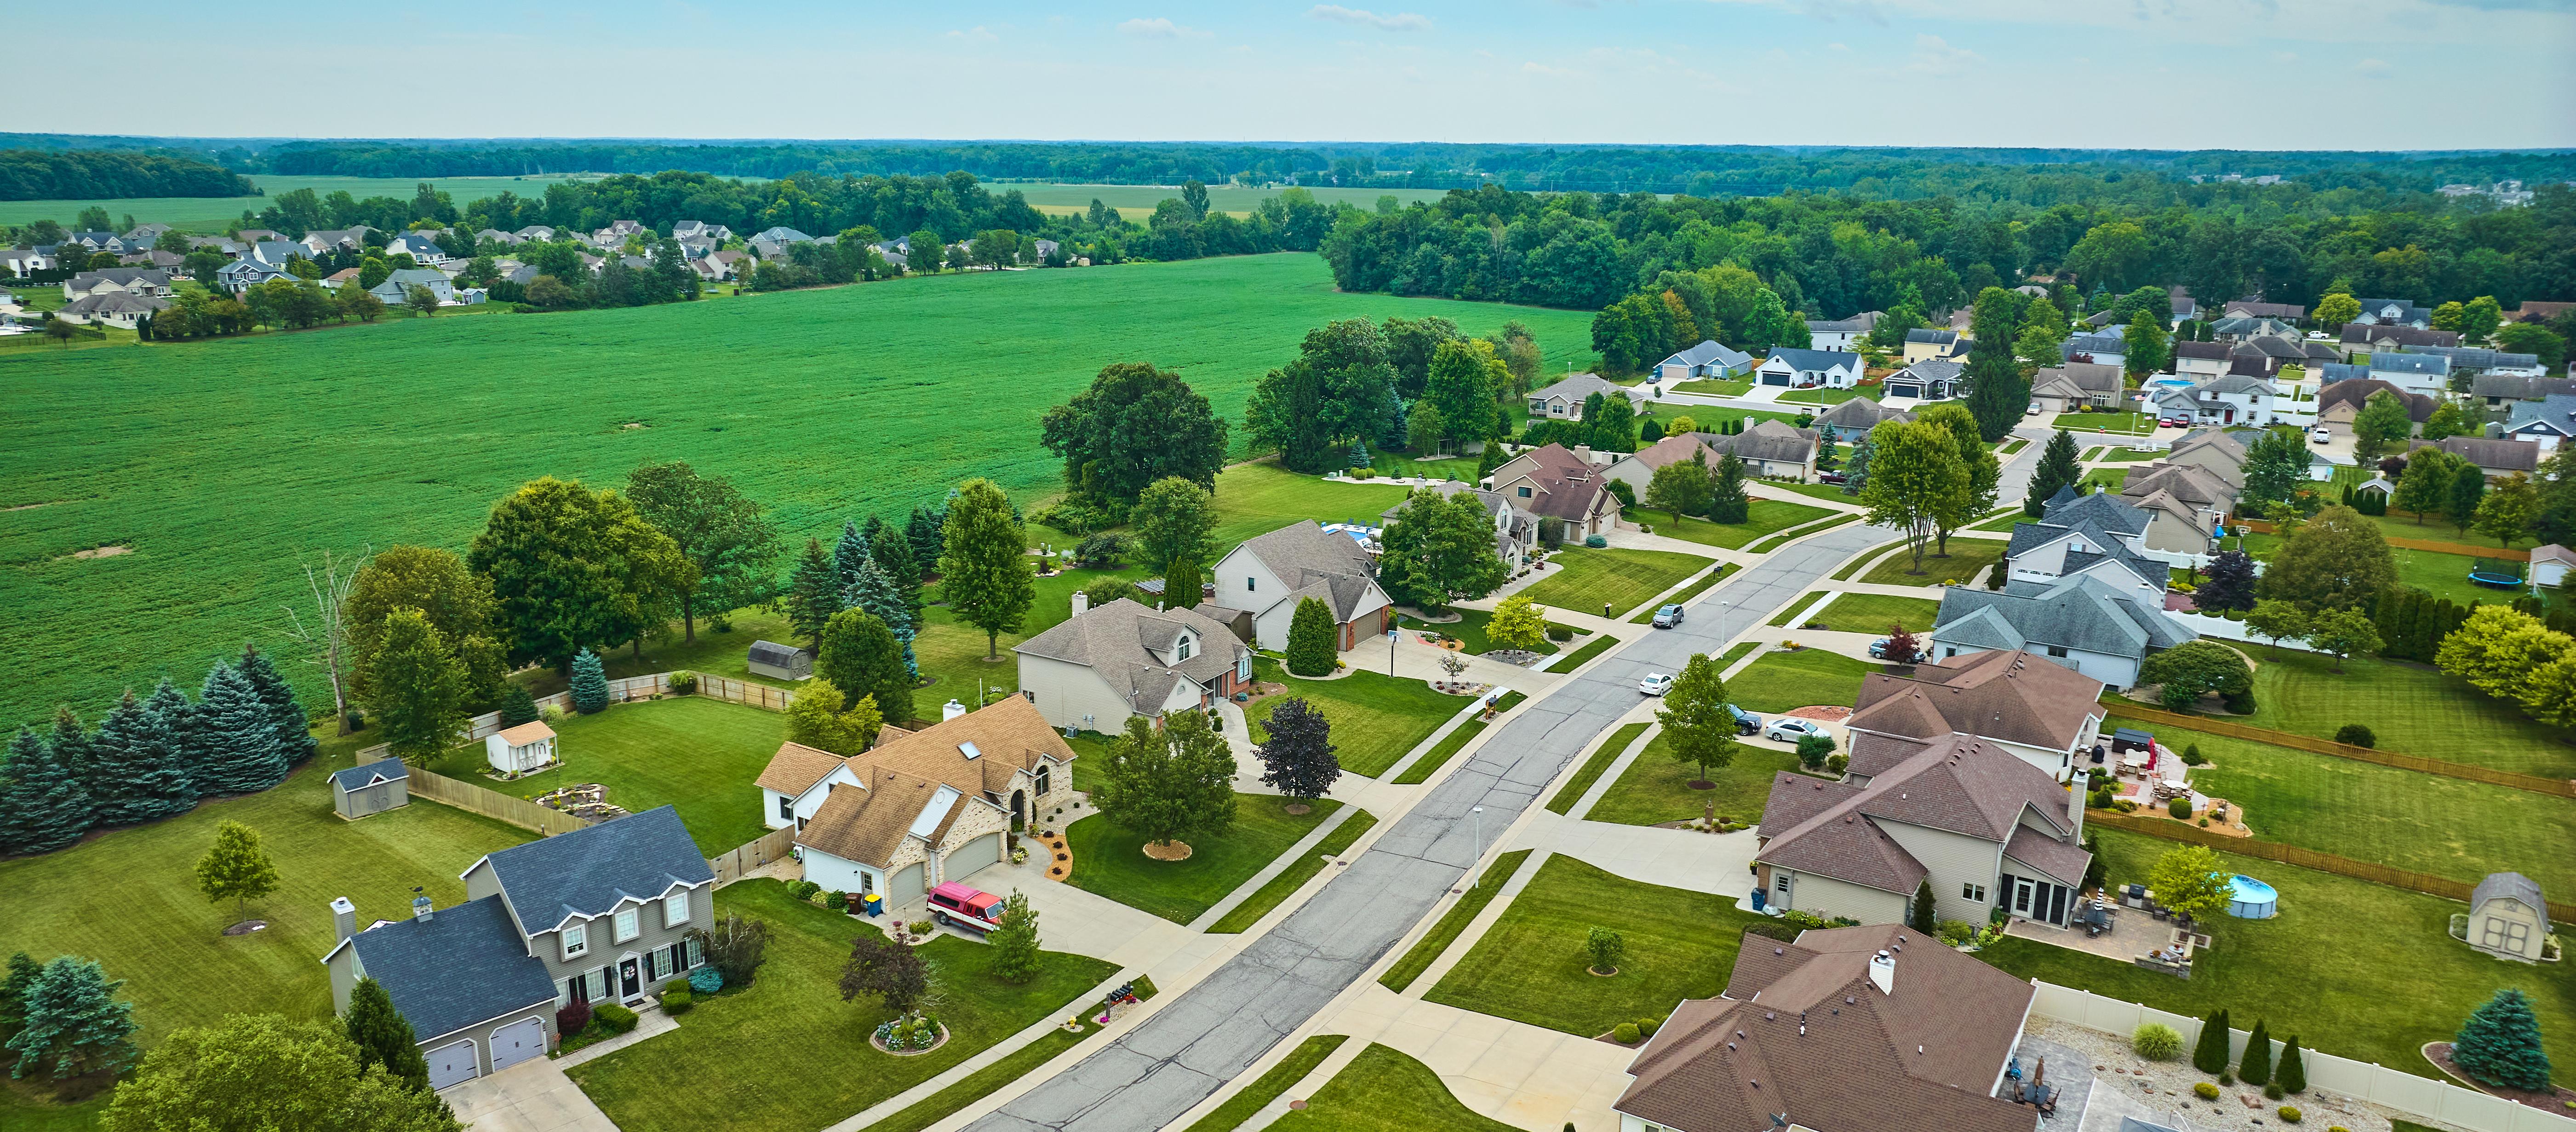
{"points": [[2251, 899], [2170, 383]]}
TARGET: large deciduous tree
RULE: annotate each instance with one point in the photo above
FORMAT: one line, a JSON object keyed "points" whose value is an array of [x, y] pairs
{"points": [[716, 527], [1136, 424], [1170, 782], [1174, 517], [455, 600], [2194, 669], [2338, 560], [2146, 348], [2276, 467], [1340, 387], [1697, 726], [984, 568], [1439, 549], [1985, 473], [1682, 487], [1297, 760], [416, 687], [887, 968], [297, 1076], [1915, 477], [572, 568], [1465, 379], [2382, 421], [2228, 583]]}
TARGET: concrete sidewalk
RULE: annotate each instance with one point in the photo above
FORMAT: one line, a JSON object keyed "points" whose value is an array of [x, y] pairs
{"points": [[1519, 1074]]}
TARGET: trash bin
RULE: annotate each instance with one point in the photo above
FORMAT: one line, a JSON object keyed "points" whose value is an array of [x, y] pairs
{"points": [[872, 905]]}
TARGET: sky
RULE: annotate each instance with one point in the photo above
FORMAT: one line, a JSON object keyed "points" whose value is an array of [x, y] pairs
{"points": [[2151, 74]]}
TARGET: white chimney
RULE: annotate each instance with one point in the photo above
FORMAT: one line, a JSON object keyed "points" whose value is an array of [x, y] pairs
{"points": [[1882, 972], [1583, 452], [344, 917], [1081, 602], [952, 709], [420, 906]]}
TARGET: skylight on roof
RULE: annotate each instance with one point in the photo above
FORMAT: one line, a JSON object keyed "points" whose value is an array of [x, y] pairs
{"points": [[969, 750]]}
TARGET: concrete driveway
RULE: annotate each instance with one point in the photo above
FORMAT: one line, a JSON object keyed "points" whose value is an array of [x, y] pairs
{"points": [[532, 1096]]}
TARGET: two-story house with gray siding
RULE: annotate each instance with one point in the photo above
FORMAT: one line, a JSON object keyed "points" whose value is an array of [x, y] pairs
{"points": [[600, 914]]}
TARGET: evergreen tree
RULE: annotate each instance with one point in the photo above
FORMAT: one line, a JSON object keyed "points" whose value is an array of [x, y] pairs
{"points": [[1015, 940], [1727, 502], [236, 868], [2256, 1069], [922, 531], [78, 757], [875, 592], [813, 593], [2210, 1054], [1856, 469], [893, 554], [177, 719], [23, 971], [589, 683], [2468, 489], [294, 730], [1997, 391], [847, 556], [1311, 650], [861, 656], [1920, 915], [2500, 1044], [983, 565], [517, 706], [2229, 583], [45, 806], [2058, 468], [74, 1025], [240, 736], [383, 1037], [1298, 758], [135, 746], [1490, 458], [2292, 1073]]}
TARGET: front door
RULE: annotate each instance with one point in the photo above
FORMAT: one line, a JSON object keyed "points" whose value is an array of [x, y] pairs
{"points": [[2022, 891], [630, 978]]}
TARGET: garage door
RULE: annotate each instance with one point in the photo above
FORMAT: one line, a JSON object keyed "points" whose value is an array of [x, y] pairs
{"points": [[906, 885], [518, 1042], [1775, 379], [973, 855], [452, 1063]]}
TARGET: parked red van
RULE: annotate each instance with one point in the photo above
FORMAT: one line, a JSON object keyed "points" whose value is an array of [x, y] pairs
{"points": [[965, 907]]}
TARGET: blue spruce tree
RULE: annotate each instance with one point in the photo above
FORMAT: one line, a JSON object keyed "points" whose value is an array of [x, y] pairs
{"points": [[135, 744], [239, 736], [176, 720], [42, 804], [1856, 468], [847, 556], [71, 746], [876, 593], [589, 684], [294, 734]]}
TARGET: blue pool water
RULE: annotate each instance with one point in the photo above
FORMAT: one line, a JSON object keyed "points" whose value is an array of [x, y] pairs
{"points": [[2251, 899]]}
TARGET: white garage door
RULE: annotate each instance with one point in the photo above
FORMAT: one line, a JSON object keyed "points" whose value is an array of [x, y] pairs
{"points": [[905, 886], [518, 1042], [452, 1063], [973, 855]]}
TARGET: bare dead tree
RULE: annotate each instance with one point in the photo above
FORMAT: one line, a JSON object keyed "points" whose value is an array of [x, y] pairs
{"points": [[327, 640]]}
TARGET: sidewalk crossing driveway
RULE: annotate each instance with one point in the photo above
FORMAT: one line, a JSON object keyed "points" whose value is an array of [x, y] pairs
{"points": [[532, 1096]]}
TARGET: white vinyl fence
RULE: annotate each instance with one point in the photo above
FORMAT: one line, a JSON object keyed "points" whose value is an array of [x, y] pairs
{"points": [[2415, 1096]]}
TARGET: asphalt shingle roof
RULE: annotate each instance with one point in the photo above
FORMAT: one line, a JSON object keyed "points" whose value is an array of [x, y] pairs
{"points": [[463, 965], [2076, 612], [588, 872], [361, 777]]}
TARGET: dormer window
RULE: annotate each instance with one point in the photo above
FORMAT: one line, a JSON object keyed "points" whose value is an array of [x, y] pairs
{"points": [[1181, 651], [576, 940], [629, 925]]}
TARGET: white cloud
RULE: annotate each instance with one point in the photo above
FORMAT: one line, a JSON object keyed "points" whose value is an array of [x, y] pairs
{"points": [[1551, 72], [976, 34], [2374, 68], [1393, 21], [1160, 28], [1837, 47], [1933, 55]]}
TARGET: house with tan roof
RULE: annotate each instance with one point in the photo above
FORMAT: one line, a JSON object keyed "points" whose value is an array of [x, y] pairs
{"points": [[922, 808], [1268, 575], [2170, 491], [1109, 662], [2059, 389], [2044, 714], [1853, 419], [2338, 402], [1563, 489], [1770, 448], [1866, 1029], [1984, 827], [1564, 399]]}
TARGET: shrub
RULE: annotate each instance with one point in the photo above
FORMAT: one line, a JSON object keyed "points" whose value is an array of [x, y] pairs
{"points": [[2256, 1068], [2124, 805], [836, 900], [2191, 755], [617, 1019], [2226, 1078], [2180, 807], [683, 683], [2289, 1113], [2273, 1091], [572, 1019], [1773, 929], [1837, 762], [919, 927], [2156, 1041], [2355, 735], [2210, 1055], [706, 981], [1625, 1033], [1560, 633], [676, 1001], [2242, 703], [1604, 947], [803, 890], [2099, 799], [1646, 1027], [1596, 542], [2292, 1073], [1956, 932], [2205, 1091]]}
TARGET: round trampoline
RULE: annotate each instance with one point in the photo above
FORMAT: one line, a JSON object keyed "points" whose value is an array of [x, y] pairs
{"points": [[2500, 573], [2251, 899]]}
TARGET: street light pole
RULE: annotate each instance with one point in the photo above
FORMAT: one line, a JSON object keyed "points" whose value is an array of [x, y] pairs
{"points": [[1477, 813]]}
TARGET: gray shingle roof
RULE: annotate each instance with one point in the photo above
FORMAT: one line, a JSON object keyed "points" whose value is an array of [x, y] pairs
{"points": [[1798, 359], [361, 777], [2099, 508], [587, 872], [2519, 388], [1114, 640], [1709, 352], [1931, 337], [1764, 440], [2426, 365], [2514, 885], [1316, 563], [2477, 357], [1577, 386], [2076, 612], [463, 965], [2556, 411]]}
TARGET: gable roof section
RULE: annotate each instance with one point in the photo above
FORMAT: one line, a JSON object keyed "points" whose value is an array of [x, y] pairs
{"points": [[2007, 695], [589, 872], [361, 777], [2077, 612], [1927, 371], [2188, 483], [1859, 413], [1125, 642], [1574, 387], [1764, 440], [2555, 412], [796, 768], [2513, 886], [2356, 391], [1958, 783], [1798, 359], [2363, 333], [2421, 365], [1566, 486], [1314, 562], [2107, 511], [1710, 352], [2504, 455], [463, 965]]}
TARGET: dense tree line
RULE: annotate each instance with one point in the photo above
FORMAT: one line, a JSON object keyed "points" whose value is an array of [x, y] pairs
{"points": [[29, 174]]}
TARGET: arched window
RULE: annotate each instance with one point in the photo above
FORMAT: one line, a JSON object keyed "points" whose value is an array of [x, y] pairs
{"points": [[1043, 779]]}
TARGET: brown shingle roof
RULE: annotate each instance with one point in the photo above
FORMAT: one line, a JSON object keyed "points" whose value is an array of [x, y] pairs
{"points": [[2357, 390], [527, 733], [2011, 696], [903, 774], [1568, 487], [1957, 783], [796, 768]]}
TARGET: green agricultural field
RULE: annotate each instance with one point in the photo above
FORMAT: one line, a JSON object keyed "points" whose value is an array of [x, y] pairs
{"points": [[211, 214], [1656, 788], [1529, 967], [1618, 577], [224, 464], [697, 755]]}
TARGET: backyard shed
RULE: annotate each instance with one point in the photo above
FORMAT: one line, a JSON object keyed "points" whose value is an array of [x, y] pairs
{"points": [[780, 662], [370, 789], [2507, 917], [521, 749]]}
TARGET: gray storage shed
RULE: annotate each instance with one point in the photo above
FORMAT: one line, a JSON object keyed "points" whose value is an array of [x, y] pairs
{"points": [[780, 662], [370, 789]]}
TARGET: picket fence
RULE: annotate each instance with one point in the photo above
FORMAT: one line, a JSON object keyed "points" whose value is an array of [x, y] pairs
{"points": [[2421, 1097]]}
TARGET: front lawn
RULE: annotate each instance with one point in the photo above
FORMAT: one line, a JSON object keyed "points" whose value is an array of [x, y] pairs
{"points": [[2356, 969], [1110, 859], [1595, 765], [1529, 967], [2412, 708], [1385, 1091], [788, 1053], [1266, 1088], [1764, 517], [1779, 681], [2132, 424], [1727, 388], [1254, 499], [1863, 613], [698, 755], [1585, 579], [1376, 718], [1453, 923], [1656, 788], [1967, 556], [1830, 396], [1469, 629], [1832, 491]]}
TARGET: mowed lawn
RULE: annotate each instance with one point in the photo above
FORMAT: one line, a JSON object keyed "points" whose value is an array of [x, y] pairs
{"points": [[1382, 1090], [1656, 788], [1584, 579], [698, 755], [1863, 613], [224, 464], [2412, 708], [1529, 967], [1764, 517], [1376, 718], [2436, 573], [1967, 556], [1258, 498], [2356, 969], [1809, 677], [788, 1053], [951, 653], [1110, 859]]}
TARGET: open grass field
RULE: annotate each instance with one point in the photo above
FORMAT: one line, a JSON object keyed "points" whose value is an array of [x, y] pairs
{"points": [[1258, 498], [2354, 968], [1582, 579], [1110, 860], [1779, 681], [211, 214], [1763, 517], [1967, 557], [1862, 613], [2409, 707], [1376, 718], [788, 1053], [1656, 788], [223, 464], [1382, 1090], [1529, 967], [696, 755]]}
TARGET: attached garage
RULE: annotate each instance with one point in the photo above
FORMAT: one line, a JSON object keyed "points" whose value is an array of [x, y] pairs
{"points": [[454, 1063], [905, 886], [976, 854], [517, 1042]]}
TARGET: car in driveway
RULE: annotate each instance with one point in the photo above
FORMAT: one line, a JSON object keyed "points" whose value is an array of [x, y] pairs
{"points": [[1668, 616], [1656, 683], [1790, 730], [1746, 723], [1832, 477], [1878, 651], [2032, 411], [2319, 435], [955, 905]]}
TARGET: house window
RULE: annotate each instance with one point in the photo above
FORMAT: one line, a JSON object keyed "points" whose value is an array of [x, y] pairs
{"points": [[595, 984], [1184, 651], [2057, 650], [1784, 884], [675, 909], [786, 807], [1046, 777], [629, 925], [1525, 493], [1976, 892], [576, 940], [1248, 583]]}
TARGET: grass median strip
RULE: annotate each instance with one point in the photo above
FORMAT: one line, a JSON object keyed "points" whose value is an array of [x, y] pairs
{"points": [[1265, 1089], [1724, 569], [1453, 923], [1599, 645], [1853, 567], [1600, 761], [1435, 758], [1777, 541], [977, 1085], [1296, 874]]}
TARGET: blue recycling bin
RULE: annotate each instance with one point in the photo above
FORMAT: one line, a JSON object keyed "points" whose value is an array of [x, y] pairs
{"points": [[872, 905]]}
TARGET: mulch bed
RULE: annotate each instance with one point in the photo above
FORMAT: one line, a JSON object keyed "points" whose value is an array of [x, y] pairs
{"points": [[2555, 1100], [246, 927]]}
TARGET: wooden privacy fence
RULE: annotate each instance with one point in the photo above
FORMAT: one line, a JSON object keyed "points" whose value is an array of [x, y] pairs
{"points": [[492, 803], [749, 856], [2264, 527], [2561, 787], [2427, 883], [627, 690], [735, 691]]}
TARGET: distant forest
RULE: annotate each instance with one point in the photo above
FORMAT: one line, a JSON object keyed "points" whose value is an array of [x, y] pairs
{"points": [[31, 174]]}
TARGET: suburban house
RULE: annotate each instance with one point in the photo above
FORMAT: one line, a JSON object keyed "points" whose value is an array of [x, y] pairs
{"points": [[2365, 337], [1267, 576], [120, 309], [538, 233], [250, 236], [2082, 622], [1564, 490], [2184, 505], [1832, 369], [164, 261], [599, 914], [2250, 327], [2551, 564], [1768, 448], [2232, 399], [2108, 346], [1708, 360], [1933, 379], [2181, 305], [2428, 374], [2213, 450], [2037, 712], [1924, 344], [2095, 535], [2251, 308], [1853, 419], [418, 246], [493, 236], [370, 789], [2482, 361], [2059, 389], [1840, 333], [2508, 918], [1515, 529], [2545, 422], [1985, 828], [2201, 361], [700, 230], [277, 253], [2498, 389], [1104, 664], [919, 809], [243, 274], [2339, 401], [1815, 1035], [520, 749], [1564, 399], [130, 280], [2497, 458], [2395, 312], [782, 235], [396, 289]]}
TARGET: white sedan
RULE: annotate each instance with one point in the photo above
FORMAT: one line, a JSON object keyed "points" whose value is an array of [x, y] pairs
{"points": [[1792, 730], [1656, 683]]}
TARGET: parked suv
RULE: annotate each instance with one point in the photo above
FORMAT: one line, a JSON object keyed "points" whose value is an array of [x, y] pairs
{"points": [[1668, 616], [1746, 723], [1878, 651], [959, 906]]}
